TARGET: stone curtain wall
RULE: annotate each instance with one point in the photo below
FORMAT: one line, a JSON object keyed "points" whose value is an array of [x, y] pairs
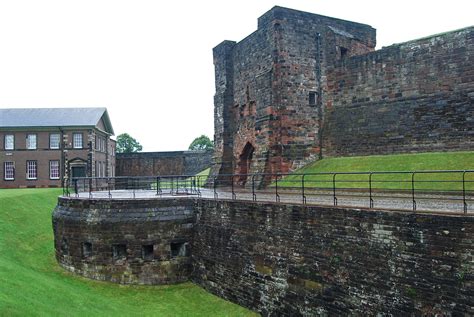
{"points": [[412, 97], [162, 163], [125, 241], [295, 260]]}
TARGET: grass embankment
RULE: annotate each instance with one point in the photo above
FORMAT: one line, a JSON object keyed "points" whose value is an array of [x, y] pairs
{"points": [[379, 163], [202, 176], [32, 284]]}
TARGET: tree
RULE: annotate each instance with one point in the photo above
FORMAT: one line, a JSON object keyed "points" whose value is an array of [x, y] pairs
{"points": [[127, 144], [201, 143]]}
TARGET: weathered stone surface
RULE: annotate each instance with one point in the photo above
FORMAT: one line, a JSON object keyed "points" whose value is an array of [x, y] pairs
{"points": [[411, 97], [292, 260], [162, 163], [132, 223]]}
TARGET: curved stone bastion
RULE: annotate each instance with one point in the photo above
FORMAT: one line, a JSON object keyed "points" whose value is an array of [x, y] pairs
{"points": [[141, 241], [280, 259]]}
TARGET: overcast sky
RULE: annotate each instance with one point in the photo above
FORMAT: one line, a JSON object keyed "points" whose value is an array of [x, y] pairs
{"points": [[150, 62]]}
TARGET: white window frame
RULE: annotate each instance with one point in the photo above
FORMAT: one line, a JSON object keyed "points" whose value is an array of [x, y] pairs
{"points": [[57, 145], [8, 172], [77, 140], [31, 141], [31, 170], [9, 142], [54, 171]]}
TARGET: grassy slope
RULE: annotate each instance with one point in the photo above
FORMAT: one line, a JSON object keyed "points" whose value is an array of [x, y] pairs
{"points": [[31, 283], [202, 176], [204, 173], [400, 162]]}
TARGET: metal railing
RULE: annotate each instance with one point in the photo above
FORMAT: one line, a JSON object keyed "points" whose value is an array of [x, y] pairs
{"points": [[442, 190]]}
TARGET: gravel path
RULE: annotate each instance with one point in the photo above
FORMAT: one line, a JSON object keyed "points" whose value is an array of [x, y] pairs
{"points": [[385, 200]]}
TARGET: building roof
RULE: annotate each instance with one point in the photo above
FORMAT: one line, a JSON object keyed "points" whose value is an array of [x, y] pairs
{"points": [[54, 117]]}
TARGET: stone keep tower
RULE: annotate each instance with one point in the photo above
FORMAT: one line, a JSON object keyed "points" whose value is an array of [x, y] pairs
{"points": [[269, 90]]}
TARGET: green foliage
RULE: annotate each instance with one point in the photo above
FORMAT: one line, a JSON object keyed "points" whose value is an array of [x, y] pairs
{"points": [[201, 143], [127, 144], [399, 162], [33, 284]]}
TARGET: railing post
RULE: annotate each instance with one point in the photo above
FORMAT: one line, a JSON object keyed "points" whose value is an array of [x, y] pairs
{"points": [[134, 184], [198, 186], [158, 186], [413, 190], [90, 187], [108, 187], [302, 189], [464, 192], [371, 201], [76, 190], [254, 196], [334, 189], [215, 188], [68, 194], [193, 184], [277, 196], [234, 196]]}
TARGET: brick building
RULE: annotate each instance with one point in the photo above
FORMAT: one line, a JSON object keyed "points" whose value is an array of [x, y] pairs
{"points": [[41, 147], [304, 86]]}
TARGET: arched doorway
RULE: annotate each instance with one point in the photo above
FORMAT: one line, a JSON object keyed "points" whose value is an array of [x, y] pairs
{"points": [[245, 159]]}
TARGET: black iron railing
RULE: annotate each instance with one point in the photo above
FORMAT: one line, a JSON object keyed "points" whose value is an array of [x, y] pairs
{"points": [[451, 190]]}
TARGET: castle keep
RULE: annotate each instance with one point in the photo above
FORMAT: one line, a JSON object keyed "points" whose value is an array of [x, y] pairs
{"points": [[305, 86]]}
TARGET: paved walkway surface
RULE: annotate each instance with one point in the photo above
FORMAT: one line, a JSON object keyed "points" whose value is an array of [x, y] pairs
{"points": [[385, 200]]}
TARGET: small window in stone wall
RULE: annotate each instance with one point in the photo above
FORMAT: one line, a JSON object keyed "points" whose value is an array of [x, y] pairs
{"points": [[119, 251], [344, 52], [147, 252], [87, 249], [312, 98], [65, 247], [179, 249]]}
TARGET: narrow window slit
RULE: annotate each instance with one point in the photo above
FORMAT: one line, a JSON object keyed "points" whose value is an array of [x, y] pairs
{"points": [[179, 249], [147, 252], [87, 249], [119, 251]]}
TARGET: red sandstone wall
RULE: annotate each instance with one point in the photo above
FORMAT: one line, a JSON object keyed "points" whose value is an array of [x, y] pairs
{"points": [[415, 96], [263, 85]]}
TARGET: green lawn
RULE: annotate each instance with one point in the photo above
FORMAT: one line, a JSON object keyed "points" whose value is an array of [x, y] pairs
{"points": [[202, 176], [32, 284], [378, 163]]}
